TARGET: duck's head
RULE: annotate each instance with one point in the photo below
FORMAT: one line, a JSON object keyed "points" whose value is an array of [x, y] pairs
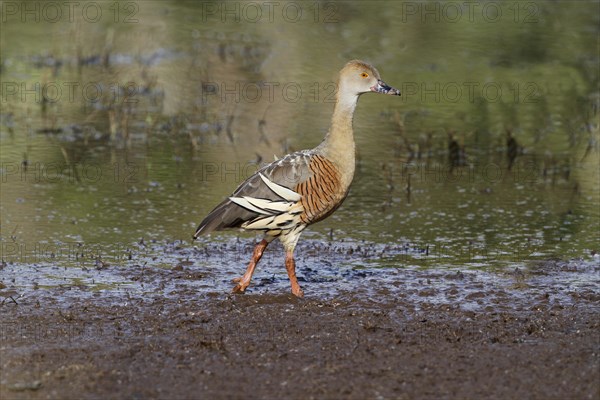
{"points": [[358, 77]]}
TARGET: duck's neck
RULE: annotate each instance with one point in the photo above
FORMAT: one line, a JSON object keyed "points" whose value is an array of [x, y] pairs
{"points": [[338, 144]]}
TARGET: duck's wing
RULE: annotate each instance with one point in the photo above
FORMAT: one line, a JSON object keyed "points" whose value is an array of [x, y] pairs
{"points": [[265, 201]]}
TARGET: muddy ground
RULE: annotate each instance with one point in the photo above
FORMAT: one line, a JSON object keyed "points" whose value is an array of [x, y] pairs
{"points": [[441, 335]]}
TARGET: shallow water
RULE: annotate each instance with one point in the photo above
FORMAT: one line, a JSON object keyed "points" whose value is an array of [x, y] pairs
{"points": [[149, 124]]}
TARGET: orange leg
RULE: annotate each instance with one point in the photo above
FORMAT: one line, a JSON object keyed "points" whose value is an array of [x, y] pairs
{"points": [[290, 265], [244, 281]]}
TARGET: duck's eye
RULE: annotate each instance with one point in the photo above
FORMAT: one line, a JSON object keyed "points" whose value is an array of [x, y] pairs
{"points": [[364, 75]]}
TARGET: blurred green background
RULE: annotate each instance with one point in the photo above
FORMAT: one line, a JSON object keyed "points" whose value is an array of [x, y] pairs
{"points": [[123, 121]]}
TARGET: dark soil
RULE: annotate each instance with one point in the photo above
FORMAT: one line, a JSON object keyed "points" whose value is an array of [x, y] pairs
{"points": [[109, 344]]}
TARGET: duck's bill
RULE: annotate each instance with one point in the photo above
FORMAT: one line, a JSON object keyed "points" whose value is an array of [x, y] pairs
{"points": [[384, 88]]}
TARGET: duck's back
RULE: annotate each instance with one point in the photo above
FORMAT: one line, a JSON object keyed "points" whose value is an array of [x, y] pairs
{"points": [[315, 179]]}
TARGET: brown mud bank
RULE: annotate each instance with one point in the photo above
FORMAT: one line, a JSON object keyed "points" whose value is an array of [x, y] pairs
{"points": [[526, 339]]}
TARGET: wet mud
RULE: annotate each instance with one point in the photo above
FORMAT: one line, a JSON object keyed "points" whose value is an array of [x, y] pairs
{"points": [[149, 332]]}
